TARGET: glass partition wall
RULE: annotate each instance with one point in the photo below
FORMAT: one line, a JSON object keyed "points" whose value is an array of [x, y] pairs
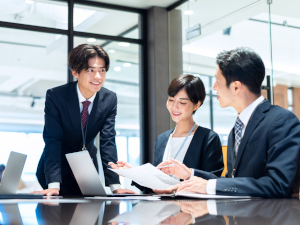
{"points": [[35, 37], [271, 28]]}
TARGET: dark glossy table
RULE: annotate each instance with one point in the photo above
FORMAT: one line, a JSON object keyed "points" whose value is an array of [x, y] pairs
{"points": [[173, 211]]}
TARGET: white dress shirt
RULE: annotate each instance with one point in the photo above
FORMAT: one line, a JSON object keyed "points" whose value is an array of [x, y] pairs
{"points": [[81, 98], [244, 116], [176, 142]]}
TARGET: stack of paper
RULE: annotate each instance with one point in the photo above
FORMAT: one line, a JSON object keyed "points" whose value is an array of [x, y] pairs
{"points": [[148, 176]]}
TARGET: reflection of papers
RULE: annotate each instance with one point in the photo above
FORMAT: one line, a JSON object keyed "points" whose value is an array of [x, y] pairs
{"points": [[148, 213], [144, 198], [148, 176]]}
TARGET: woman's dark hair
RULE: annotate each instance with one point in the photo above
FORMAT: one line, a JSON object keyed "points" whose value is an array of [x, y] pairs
{"points": [[244, 65], [79, 57], [193, 86]]}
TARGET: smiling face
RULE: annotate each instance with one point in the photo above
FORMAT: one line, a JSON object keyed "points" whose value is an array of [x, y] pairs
{"points": [[225, 93], [91, 80], [181, 107]]}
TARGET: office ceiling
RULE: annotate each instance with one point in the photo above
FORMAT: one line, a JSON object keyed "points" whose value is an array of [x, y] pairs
{"points": [[142, 4]]}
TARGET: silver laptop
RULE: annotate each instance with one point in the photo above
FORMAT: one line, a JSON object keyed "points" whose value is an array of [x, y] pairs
{"points": [[12, 173], [85, 173]]}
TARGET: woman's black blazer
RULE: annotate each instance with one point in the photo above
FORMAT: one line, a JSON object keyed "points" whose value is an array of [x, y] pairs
{"points": [[204, 152]]}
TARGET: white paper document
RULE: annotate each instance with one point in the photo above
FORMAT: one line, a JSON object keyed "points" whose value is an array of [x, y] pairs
{"points": [[148, 176]]}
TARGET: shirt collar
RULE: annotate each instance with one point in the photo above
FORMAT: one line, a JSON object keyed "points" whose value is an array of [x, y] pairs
{"points": [[82, 98], [247, 112]]}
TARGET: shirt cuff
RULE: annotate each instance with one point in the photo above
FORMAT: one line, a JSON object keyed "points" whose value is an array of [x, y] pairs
{"points": [[212, 207], [211, 187], [114, 187], [54, 185], [192, 174], [193, 218]]}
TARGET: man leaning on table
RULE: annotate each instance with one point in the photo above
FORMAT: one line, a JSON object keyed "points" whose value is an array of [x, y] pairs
{"points": [[263, 146], [74, 114]]}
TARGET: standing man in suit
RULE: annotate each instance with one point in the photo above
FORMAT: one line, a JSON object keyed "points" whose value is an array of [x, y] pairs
{"points": [[74, 114], [263, 146]]}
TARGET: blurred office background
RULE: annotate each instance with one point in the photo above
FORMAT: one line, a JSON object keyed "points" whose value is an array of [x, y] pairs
{"points": [[148, 44]]}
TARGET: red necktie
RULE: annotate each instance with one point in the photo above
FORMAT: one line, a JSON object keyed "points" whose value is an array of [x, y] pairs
{"points": [[85, 114]]}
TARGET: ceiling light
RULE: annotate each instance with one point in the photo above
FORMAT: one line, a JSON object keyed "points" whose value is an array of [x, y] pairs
{"points": [[188, 12], [91, 40], [124, 44], [117, 69], [29, 1], [127, 64], [111, 51]]}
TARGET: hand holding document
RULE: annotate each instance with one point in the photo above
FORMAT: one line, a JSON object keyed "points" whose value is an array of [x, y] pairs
{"points": [[175, 168], [148, 176]]}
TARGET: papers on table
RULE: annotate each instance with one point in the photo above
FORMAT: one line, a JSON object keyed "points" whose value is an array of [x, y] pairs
{"points": [[205, 196], [148, 213], [148, 176]]}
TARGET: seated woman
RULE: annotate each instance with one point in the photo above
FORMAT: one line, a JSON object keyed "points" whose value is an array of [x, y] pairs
{"points": [[191, 145]]}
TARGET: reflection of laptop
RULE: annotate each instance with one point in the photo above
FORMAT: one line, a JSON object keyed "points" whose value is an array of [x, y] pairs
{"points": [[12, 173], [88, 213], [10, 214], [86, 174]]}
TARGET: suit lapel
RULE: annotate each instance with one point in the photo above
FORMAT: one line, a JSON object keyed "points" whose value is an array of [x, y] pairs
{"points": [[189, 158], [95, 115], [73, 110], [160, 151], [257, 116]]}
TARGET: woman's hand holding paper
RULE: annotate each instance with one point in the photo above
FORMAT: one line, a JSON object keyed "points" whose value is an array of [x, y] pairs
{"points": [[177, 169]]}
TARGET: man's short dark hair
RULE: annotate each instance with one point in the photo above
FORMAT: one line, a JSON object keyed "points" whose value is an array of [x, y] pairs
{"points": [[79, 56], [244, 65], [193, 86]]}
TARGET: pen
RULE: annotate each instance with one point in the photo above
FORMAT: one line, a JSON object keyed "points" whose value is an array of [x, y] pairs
{"points": [[165, 166]]}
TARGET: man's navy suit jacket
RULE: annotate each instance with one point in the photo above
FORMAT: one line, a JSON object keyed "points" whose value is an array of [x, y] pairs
{"points": [[268, 156], [62, 135]]}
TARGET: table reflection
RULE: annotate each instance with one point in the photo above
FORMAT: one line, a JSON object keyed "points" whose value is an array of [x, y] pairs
{"points": [[181, 212], [259, 211]]}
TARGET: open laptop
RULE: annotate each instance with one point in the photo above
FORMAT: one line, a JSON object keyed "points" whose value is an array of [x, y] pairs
{"points": [[86, 174], [12, 173]]}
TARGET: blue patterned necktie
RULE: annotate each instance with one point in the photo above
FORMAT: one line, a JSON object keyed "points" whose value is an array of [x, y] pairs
{"points": [[238, 134]]}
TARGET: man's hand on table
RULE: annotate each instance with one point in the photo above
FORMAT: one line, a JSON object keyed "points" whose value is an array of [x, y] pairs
{"points": [[123, 191], [48, 192], [196, 185]]}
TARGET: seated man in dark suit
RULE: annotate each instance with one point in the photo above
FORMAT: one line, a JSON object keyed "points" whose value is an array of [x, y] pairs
{"points": [[263, 146], [74, 114]]}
